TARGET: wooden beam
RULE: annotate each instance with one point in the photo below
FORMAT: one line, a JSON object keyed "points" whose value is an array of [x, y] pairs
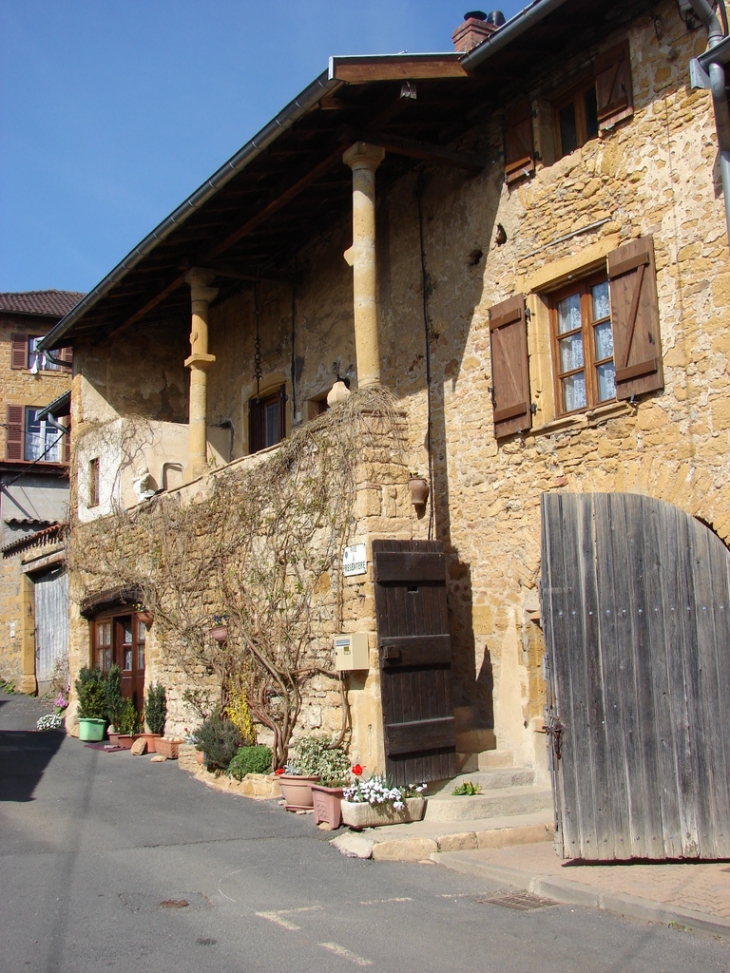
{"points": [[427, 152], [406, 67]]}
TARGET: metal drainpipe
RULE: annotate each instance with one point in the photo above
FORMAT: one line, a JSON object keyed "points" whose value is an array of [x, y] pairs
{"points": [[718, 87]]}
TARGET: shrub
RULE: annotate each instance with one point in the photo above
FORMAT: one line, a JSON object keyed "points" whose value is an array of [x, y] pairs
{"points": [[156, 709], [318, 757], [250, 760], [129, 721], [114, 698], [219, 739], [91, 690]]}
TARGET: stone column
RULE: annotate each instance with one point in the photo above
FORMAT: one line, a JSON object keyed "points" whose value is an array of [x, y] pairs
{"points": [[364, 159], [199, 362]]}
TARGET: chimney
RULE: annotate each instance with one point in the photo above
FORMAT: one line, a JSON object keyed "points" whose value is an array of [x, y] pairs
{"points": [[477, 27]]}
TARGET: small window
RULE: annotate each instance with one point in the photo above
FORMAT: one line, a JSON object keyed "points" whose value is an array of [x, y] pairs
{"points": [[38, 361], [583, 345], [42, 441], [94, 482], [267, 420], [103, 645], [576, 118]]}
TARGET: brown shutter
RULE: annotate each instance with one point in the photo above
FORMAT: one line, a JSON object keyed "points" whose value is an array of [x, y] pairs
{"points": [[614, 95], [637, 349], [510, 367], [519, 148], [281, 398], [66, 354], [14, 432], [18, 351]]}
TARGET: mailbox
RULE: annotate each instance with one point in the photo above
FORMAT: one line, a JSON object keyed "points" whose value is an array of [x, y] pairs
{"points": [[351, 651]]}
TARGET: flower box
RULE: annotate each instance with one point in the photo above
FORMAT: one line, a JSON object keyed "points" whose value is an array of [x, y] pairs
{"points": [[358, 814], [167, 748], [327, 805]]}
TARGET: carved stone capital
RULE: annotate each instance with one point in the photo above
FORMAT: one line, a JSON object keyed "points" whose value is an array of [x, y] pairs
{"points": [[362, 155]]}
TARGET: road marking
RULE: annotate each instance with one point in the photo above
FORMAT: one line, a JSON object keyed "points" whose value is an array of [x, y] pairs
{"points": [[346, 954], [301, 908], [402, 898], [277, 919], [221, 880]]}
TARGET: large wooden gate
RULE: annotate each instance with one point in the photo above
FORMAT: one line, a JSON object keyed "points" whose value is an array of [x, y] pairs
{"points": [[414, 650], [51, 623], [636, 609]]}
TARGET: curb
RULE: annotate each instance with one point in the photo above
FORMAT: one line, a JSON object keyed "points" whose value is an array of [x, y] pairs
{"points": [[576, 893]]}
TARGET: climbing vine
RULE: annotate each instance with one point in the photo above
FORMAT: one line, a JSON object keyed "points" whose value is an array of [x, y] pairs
{"points": [[261, 551]]}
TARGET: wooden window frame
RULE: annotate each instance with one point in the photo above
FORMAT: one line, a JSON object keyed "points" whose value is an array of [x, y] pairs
{"points": [[591, 363], [16, 420], [20, 354], [576, 98], [257, 418], [94, 482]]}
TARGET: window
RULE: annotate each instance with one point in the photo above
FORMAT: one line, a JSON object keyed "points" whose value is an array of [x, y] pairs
{"points": [[267, 420], [601, 98], [604, 337], [576, 118], [29, 439], [24, 354], [582, 342], [94, 482], [103, 645]]}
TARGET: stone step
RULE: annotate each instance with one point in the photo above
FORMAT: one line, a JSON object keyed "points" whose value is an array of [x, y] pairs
{"points": [[497, 802], [491, 759], [421, 839], [476, 739], [488, 780]]}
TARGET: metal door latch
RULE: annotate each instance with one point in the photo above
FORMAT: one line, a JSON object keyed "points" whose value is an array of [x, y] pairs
{"points": [[554, 729]]}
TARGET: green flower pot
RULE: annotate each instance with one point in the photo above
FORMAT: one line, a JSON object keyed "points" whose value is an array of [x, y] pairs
{"points": [[91, 730]]}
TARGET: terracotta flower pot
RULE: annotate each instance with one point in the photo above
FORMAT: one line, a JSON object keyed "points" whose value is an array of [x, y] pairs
{"points": [[167, 748], [419, 490], [151, 739], [219, 633], [296, 790], [327, 805]]}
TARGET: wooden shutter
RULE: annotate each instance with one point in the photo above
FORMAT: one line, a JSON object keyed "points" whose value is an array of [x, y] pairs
{"points": [[510, 367], [66, 355], [519, 148], [18, 351], [14, 432], [256, 432], [614, 94], [637, 349]]}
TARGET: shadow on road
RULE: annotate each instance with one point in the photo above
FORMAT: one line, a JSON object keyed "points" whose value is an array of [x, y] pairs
{"points": [[24, 756]]}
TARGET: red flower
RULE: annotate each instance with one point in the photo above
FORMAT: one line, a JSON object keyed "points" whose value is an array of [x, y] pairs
{"points": [[357, 770], [279, 771]]}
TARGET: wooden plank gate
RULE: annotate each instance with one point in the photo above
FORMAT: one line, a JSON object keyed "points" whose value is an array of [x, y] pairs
{"points": [[636, 611], [51, 623], [414, 650]]}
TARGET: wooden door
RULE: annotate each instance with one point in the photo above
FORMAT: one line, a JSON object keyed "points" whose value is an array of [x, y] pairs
{"points": [[636, 611], [129, 653], [50, 592], [414, 651]]}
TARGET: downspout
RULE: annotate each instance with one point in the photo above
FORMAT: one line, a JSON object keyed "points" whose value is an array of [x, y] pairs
{"points": [[718, 86]]}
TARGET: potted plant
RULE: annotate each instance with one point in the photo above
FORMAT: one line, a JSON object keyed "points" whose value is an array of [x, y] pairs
{"points": [[91, 691], [114, 698], [334, 769], [218, 739], [302, 771], [219, 632], [419, 489], [155, 714], [129, 725], [250, 760], [374, 802]]}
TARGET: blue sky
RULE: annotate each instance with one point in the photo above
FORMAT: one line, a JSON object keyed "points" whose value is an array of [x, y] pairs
{"points": [[113, 111]]}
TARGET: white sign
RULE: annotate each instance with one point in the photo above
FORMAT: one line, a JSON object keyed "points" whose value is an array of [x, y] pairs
{"points": [[354, 560]]}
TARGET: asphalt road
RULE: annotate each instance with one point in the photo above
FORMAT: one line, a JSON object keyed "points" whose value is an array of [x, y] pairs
{"points": [[100, 851]]}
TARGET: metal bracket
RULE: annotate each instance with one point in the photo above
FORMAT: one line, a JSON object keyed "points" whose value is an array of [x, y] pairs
{"points": [[698, 77]]}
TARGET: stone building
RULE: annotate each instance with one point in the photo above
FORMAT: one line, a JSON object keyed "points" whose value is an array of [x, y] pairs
{"points": [[33, 473], [535, 265]]}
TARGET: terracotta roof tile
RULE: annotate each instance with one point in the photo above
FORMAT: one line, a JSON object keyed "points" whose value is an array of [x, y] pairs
{"points": [[52, 303]]}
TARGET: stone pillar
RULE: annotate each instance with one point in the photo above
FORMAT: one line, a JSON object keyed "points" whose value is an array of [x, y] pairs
{"points": [[364, 159], [199, 362]]}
